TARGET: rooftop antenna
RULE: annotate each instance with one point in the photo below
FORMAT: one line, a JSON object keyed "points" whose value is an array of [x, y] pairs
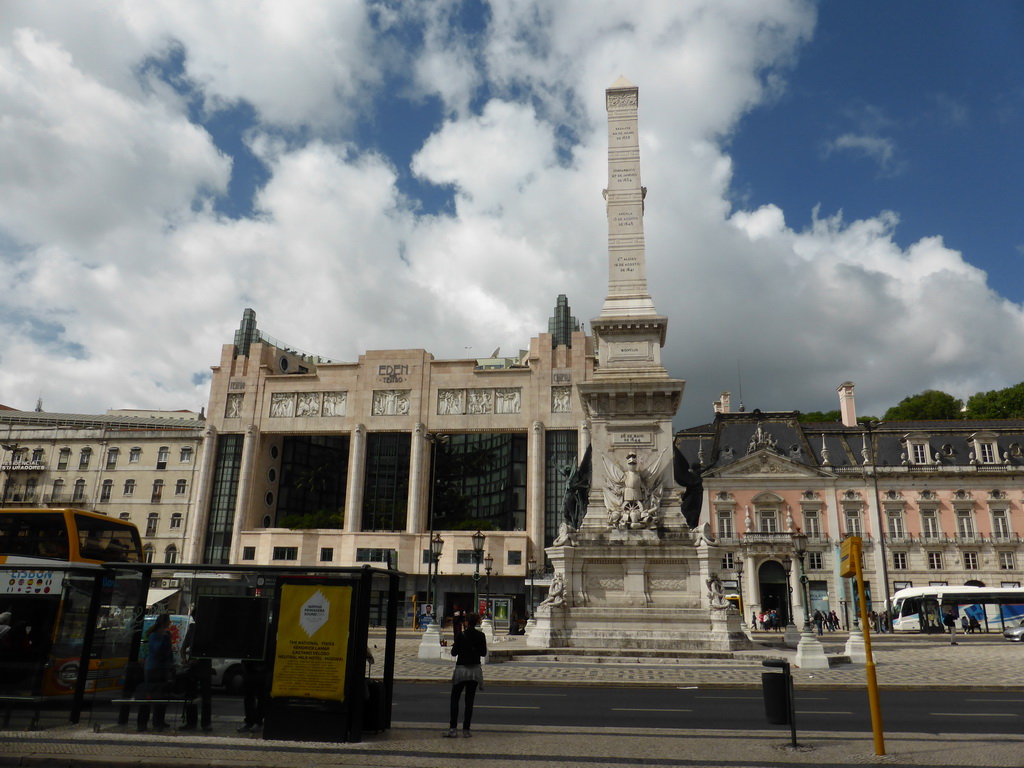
{"points": [[739, 376]]}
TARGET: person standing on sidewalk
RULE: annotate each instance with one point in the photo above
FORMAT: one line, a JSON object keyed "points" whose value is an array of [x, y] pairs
{"points": [[469, 648], [950, 621], [158, 671]]}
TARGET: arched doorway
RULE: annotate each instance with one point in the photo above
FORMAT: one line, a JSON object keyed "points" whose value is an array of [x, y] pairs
{"points": [[974, 583], [774, 589]]}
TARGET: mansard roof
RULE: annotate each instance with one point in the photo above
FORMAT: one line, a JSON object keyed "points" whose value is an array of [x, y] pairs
{"points": [[732, 437]]}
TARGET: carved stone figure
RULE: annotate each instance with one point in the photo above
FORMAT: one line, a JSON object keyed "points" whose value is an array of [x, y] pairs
{"points": [[391, 402], [566, 536], [632, 495], [561, 399], [556, 593], [282, 405], [334, 403], [507, 400], [716, 595], [309, 404], [479, 401], [449, 401], [234, 406]]}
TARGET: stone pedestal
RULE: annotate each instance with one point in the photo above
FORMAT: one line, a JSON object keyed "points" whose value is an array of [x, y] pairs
{"points": [[791, 636], [855, 647], [430, 643], [809, 653]]}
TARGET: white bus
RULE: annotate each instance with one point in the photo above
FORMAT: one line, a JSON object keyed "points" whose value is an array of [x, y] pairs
{"points": [[920, 609]]}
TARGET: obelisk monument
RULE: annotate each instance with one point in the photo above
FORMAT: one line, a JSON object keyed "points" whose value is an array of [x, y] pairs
{"points": [[631, 399], [634, 575]]}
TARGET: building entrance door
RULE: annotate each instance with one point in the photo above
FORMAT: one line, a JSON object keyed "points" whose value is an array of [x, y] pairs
{"points": [[774, 590]]}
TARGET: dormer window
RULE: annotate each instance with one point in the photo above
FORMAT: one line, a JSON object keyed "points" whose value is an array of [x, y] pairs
{"points": [[984, 448], [919, 453]]}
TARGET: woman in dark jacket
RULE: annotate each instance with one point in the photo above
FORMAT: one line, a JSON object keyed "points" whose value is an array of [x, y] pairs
{"points": [[469, 648]]}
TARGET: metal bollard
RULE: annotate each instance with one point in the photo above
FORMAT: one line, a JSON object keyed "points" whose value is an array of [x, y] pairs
{"points": [[779, 704]]}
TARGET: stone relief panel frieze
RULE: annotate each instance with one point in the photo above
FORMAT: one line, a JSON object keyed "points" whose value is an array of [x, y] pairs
{"points": [[233, 408], [335, 404], [480, 401], [507, 400], [503, 400], [391, 402], [308, 404], [451, 402], [561, 399], [282, 405]]}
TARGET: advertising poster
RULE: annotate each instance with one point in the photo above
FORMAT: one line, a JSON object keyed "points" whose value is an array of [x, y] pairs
{"points": [[312, 642]]}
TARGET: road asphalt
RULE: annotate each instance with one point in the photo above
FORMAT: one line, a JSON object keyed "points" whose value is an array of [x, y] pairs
{"points": [[977, 662]]}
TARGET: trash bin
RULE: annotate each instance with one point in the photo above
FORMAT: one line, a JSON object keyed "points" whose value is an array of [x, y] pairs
{"points": [[776, 688]]}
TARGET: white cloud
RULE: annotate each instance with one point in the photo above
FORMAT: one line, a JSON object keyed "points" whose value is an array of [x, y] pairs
{"points": [[123, 283], [877, 148]]}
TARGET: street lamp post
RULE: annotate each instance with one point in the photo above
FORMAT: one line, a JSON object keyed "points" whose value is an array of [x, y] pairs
{"points": [[488, 564], [739, 587], [434, 441], [478, 551], [791, 632], [436, 546], [809, 652], [532, 565]]}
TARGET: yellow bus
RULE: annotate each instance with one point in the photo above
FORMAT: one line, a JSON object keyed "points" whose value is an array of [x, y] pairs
{"points": [[49, 574]]}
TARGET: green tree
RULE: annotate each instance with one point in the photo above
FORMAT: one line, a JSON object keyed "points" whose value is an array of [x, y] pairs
{"points": [[930, 405], [997, 404], [820, 416]]}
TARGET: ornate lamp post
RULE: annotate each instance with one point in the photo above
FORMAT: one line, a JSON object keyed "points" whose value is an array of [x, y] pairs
{"points": [[434, 440], [436, 546], [478, 551], [488, 564], [809, 653], [739, 587], [787, 563], [800, 548]]}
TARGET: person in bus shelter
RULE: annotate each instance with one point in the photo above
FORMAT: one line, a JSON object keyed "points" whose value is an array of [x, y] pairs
{"points": [[158, 671]]}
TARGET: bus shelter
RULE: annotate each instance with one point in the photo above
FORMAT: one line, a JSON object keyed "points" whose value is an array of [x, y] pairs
{"points": [[304, 631]]}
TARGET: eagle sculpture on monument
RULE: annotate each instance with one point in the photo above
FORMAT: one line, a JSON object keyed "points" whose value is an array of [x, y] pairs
{"points": [[632, 495]]}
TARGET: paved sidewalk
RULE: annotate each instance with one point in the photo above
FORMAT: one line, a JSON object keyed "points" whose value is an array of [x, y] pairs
{"points": [[978, 662]]}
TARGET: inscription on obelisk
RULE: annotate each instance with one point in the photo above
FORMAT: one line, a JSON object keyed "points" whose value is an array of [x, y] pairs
{"points": [[627, 270]]}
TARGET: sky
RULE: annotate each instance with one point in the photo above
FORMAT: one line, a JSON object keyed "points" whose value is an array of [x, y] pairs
{"points": [[834, 189]]}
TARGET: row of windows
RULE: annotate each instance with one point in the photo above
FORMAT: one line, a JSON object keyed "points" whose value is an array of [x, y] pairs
{"points": [[106, 490], [153, 521], [768, 522], [374, 555], [170, 553], [85, 456], [900, 561]]}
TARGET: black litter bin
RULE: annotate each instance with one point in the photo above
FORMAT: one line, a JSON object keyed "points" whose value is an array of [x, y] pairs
{"points": [[777, 690]]}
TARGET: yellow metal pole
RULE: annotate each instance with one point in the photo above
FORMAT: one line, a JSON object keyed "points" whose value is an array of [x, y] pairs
{"points": [[876, 711]]}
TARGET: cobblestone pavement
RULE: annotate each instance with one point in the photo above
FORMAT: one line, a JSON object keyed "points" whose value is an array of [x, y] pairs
{"points": [[904, 661]]}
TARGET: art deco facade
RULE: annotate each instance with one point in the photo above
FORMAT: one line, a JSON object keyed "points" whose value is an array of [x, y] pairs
{"points": [[316, 462], [135, 465], [935, 502]]}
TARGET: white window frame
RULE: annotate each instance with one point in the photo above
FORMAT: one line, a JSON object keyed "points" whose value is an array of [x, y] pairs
{"points": [[971, 561], [935, 561], [899, 561]]}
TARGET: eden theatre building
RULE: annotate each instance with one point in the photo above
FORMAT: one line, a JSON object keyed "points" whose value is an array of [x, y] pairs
{"points": [[314, 463]]}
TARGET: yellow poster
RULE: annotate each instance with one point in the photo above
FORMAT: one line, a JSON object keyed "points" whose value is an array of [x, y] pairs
{"points": [[312, 642]]}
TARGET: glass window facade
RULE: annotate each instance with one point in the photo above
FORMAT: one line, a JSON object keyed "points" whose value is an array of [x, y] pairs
{"points": [[386, 486], [480, 482], [219, 521], [313, 473], [560, 454]]}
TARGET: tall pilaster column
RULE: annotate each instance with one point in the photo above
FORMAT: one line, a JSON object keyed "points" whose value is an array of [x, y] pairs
{"points": [[196, 527], [244, 490], [354, 482], [417, 480], [535, 482]]}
